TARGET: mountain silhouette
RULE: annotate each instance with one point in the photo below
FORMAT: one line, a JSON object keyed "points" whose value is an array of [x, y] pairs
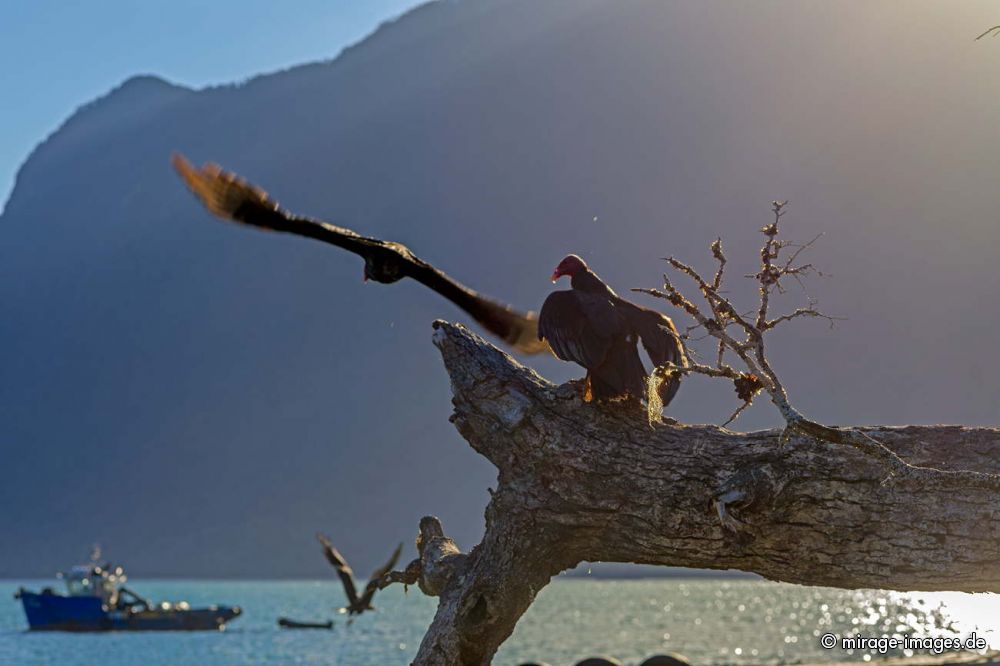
{"points": [[201, 398]]}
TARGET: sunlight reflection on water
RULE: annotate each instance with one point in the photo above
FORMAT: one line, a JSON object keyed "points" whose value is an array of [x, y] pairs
{"points": [[734, 621]]}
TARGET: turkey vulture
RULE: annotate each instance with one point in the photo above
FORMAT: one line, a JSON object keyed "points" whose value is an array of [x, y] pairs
{"points": [[593, 326], [230, 197], [356, 605]]}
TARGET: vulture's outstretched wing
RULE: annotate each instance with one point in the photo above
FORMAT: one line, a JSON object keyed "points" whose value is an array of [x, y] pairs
{"points": [[579, 327], [661, 341], [589, 329], [344, 571], [372, 586], [230, 197]]}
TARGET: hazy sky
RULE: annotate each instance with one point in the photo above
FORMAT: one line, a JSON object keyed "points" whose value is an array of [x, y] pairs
{"points": [[197, 361], [58, 55]]}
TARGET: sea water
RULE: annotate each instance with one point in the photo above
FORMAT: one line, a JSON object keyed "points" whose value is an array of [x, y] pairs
{"points": [[710, 621]]}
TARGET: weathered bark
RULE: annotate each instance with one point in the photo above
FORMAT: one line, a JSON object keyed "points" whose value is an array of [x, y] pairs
{"points": [[578, 481]]}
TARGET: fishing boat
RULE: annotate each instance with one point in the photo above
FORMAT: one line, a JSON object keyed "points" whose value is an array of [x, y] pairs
{"points": [[96, 599]]}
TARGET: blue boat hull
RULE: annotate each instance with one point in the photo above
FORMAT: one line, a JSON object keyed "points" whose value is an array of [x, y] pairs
{"points": [[55, 612]]}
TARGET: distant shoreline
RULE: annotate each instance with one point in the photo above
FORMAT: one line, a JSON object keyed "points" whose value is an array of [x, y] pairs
{"points": [[573, 575], [586, 570]]}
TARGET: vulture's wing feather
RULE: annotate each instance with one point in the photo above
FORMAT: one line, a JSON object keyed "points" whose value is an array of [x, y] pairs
{"points": [[344, 571], [230, 197], [661, 341], [659, 337], [579, 327], [377, 575], [520, 330]]}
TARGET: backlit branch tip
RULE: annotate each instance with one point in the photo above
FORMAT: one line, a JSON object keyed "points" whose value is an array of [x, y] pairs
{"points": [[758, 375], [720, 315], [995, 31]]}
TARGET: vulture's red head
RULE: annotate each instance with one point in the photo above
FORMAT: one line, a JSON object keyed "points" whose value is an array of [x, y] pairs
{"points": [[570, 266]]}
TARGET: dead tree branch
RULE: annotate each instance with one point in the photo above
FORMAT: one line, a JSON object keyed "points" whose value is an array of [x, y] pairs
{"points": [[752, 352], [910, 508], [580, 482], [995, 30]]}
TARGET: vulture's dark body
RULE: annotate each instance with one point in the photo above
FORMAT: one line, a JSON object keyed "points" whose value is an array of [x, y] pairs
{"points": [[594, 327]]}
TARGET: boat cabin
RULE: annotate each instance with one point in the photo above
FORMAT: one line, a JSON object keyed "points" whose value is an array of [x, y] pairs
{"points": [[95, 580]]}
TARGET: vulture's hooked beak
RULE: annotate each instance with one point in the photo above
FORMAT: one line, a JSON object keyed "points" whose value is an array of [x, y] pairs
{"points": [[556, 275]]}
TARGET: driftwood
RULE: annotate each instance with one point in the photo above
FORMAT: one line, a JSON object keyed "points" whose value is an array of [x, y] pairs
{"points": [[579, 481]]}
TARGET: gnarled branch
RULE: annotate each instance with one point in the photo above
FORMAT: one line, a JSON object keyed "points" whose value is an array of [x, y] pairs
{"points": [[579, 482]]}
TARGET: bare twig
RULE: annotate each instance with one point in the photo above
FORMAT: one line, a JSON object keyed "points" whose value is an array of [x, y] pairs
{"points": [[995, 30], [802, 312], [721, 258], [736, 414], [751, 349], [769, 275], [752, 352]]}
